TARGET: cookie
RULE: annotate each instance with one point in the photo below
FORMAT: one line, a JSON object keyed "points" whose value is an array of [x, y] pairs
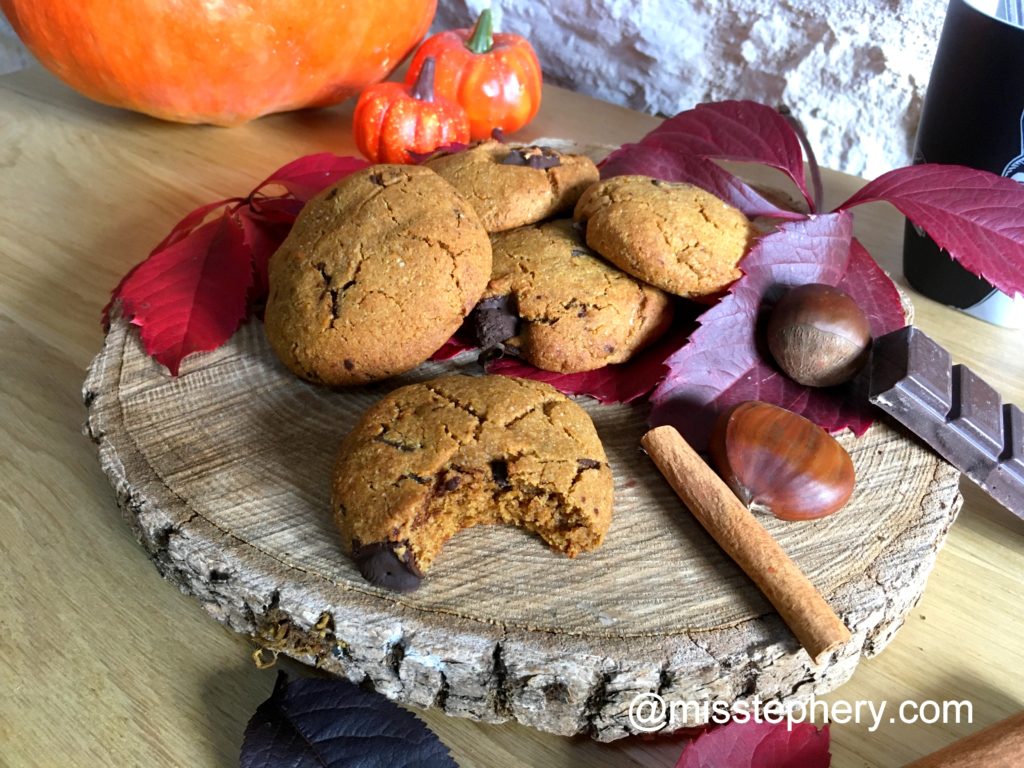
{"points": [[433, 458], [576, 311], [675, 236], [513, 186], [376, 274]]}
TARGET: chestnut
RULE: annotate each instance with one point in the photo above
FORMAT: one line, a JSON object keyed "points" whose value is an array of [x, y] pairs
{"points": [[818, 335], [777, 461]]}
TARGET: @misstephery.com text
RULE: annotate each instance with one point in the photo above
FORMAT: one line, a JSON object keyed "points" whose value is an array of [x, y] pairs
{"points": [[650, 713]]}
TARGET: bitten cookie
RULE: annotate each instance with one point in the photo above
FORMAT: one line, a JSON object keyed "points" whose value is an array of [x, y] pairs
{"points": [[433, 458], [576, 311], [675, 236], [513, 186], [377, 273]]}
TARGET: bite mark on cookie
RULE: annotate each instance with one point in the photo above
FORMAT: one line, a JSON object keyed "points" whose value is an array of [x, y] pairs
{"points": [[432, 459]]}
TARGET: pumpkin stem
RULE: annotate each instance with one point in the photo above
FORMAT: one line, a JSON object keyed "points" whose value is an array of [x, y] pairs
{"points": [[481, 41], [423, 89]]}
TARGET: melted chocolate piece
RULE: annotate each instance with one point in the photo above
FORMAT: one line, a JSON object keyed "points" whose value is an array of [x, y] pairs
{"points": [[589, 463], [534, 157], [955, 412], [499, 473], [495, 321], [380, 566]]}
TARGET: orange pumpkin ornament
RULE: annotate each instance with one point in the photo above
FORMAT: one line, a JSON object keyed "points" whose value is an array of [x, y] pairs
{"points": [[392, 120], [496, 77], [219, 61]]}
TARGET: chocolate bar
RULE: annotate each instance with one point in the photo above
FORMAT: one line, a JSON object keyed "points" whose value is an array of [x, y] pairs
{"points": [[956, 413]]}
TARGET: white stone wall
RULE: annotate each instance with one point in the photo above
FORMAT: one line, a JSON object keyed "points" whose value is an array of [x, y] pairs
{"points": [[853, 71]]}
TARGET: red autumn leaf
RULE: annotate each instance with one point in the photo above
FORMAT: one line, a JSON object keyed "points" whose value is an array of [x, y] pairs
{"points": [[744, 131], [263, 235], [197, 285], [461, 341], [184, 227], [181, 230], [671, 165], [976, 216], [192, 295], [621, 383], [308, 175], [752, 744], [725, 362], [873, 291]]}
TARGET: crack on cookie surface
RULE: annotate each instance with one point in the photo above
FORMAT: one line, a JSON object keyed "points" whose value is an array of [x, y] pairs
{"points": [[578, 312], [380, 275], [673, 235]]}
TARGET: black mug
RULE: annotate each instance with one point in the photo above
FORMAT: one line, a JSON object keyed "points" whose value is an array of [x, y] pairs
{"points": [[973, 115]]}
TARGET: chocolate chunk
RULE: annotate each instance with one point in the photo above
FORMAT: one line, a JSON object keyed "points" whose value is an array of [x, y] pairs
{"points": [[452, 484], [534, 157], [589, 463], [499, 472], [495, 321], [954, 411], [380, 566]]}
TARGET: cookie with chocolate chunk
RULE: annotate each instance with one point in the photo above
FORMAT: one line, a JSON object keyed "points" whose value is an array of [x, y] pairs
{"points": [[433, 458], [676, 236], [377, 273], [575, 311], [513, 186]]}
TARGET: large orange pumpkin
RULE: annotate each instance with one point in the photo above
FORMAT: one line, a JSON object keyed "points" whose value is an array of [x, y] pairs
{"points": [[219, 61]]}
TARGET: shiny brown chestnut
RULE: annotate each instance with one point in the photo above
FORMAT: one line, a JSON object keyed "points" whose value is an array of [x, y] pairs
{"points": [[818, 335], [779, 462]]}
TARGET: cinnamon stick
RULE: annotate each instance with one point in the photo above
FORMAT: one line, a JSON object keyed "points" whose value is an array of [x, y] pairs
{"points": [[817, 627], [998, 746]]}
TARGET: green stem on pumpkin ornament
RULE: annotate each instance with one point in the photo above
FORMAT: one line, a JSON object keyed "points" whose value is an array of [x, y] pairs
{"points": [[423, 89], [481, 41]]}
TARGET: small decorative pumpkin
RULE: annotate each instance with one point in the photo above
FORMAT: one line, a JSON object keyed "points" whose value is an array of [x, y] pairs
{"points": [[392, 120], [224, 61], [495, 77]]}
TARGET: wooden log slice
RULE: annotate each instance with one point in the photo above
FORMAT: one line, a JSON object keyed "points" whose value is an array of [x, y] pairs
{"points": [[224, 474]]}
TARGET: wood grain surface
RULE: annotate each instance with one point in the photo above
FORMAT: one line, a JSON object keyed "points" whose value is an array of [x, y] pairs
{"points": [[105, 663], [224, 473]]}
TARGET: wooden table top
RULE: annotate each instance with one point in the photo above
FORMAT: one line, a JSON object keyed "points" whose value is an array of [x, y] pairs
{"points": [[104, 663]]}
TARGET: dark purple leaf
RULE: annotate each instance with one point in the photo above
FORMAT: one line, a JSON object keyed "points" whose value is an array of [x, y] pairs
{"points": [[725, 361], [744, 131], [752, 744], [671, 165], [312, 723], [873, 290], [976, 216]]}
